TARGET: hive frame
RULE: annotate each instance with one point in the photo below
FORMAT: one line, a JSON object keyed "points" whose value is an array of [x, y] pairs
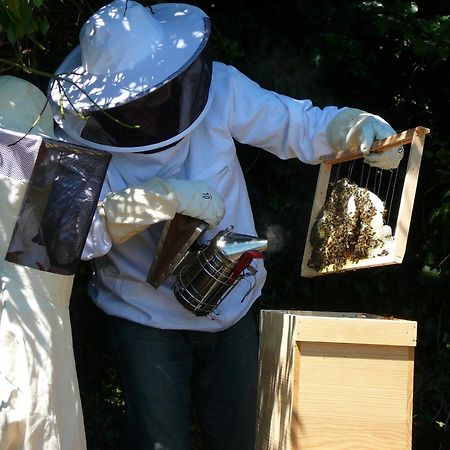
{"points": [[415, 137]]}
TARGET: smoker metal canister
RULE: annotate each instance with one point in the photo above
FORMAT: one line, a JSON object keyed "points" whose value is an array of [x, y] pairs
{"points": [[209, 274]]}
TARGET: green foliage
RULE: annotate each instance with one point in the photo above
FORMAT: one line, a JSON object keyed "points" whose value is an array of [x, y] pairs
{"points": [[438, 256], [18, 20], [22, 24], [35, 35]]}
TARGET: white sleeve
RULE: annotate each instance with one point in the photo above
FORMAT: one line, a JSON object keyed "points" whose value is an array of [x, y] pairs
{"points": [[98, 241], [284, 126], [128, 212]]}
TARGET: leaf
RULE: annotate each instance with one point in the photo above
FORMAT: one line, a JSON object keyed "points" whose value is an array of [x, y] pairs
{"points": [[44, 25], [13, 9], [38, 3], [429, 272], [413, 8], [26, 14], [11, 34]]}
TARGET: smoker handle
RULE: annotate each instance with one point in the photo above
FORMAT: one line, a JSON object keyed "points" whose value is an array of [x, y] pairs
{"points": [[243, 262]]}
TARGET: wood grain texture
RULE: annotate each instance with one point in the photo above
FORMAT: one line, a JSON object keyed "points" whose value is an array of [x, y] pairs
{"points": [[328, 387]]}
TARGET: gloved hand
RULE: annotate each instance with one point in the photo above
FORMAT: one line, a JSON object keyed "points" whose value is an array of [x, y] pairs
{"points": [[128, 212], [356, 129]]}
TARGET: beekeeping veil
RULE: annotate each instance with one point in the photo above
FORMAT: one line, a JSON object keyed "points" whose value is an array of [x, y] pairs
{"points": [[138, 81], [62, 180]]}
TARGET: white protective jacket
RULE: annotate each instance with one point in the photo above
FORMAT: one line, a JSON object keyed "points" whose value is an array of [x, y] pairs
{"points": [[40, 405], [239, 110]]}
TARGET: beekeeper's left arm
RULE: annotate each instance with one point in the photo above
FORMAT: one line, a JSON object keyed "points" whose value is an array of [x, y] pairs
{"points": [[292, 128]]}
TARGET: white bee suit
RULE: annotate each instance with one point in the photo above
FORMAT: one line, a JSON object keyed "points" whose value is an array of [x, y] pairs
{"points": [[239, 110], [187, 113], [40, 407]]}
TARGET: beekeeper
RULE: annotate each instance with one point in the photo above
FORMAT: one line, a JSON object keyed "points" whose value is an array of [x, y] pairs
{"points": [[141, 85], [40, 406]]}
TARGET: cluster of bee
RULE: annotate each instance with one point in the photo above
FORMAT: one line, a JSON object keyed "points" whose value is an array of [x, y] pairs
{"points": [[342, 231]]}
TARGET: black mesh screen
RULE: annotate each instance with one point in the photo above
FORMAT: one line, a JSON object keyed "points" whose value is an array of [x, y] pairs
{"points": [[58, 207], [157, 116]]}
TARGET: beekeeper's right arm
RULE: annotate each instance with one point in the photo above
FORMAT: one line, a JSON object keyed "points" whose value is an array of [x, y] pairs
{"points": [[123, 214]]}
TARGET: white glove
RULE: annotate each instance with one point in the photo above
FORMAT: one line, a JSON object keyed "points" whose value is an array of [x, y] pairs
{"points": [[353, 129], [128, 212]]}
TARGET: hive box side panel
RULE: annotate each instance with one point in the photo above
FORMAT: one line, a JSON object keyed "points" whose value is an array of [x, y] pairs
{"points": [[275, 393], [352, 396]]}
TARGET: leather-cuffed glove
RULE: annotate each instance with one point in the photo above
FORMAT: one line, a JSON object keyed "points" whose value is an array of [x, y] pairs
{"points": [[354, 129], [130, 211]]}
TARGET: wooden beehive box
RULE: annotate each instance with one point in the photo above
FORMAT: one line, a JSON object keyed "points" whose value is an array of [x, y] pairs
{"points": [[335, 381]]}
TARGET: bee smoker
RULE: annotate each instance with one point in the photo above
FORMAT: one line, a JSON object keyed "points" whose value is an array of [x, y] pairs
{"points": [[205, 276], [208, 275]]}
